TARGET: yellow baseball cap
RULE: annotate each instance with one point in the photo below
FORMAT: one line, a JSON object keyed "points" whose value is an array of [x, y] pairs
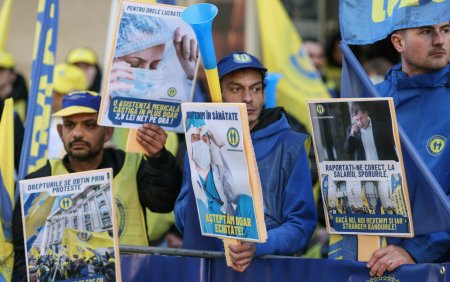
{"points": [[82, 55], [6, 60], [68, 78], [80, 102]]}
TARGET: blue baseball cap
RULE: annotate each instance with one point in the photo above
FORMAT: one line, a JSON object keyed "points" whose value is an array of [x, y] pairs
{"points": [[80, 102], [238, 60]]}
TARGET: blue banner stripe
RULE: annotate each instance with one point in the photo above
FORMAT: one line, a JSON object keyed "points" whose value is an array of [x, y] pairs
{"points": [[42, 72], [364, 22]]}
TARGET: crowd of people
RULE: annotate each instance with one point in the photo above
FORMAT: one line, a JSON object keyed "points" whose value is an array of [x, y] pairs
{"points": [[158, 181], [48, 267]]}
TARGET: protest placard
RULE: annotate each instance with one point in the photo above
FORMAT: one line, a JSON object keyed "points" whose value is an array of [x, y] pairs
{"points": [[224, 173], [151, 69], [70, 228], [360, 167]]}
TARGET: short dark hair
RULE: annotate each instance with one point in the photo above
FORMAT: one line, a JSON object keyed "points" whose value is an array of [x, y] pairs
{"points": [[358, 107], [263, 75]]}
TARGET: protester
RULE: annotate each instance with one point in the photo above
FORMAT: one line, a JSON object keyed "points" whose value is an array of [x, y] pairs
{"points": [[86, 59], [12, 85], [420, 89], [376, 68], [66, 79], [333, 55], [281, 154], [151, 181], [317, 55]]}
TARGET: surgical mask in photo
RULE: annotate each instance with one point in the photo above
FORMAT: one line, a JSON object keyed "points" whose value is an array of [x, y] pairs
{"points": [[201, 154], [145, 83]]}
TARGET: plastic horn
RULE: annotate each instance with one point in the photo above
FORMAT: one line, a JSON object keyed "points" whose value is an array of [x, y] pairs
{"points": [[271, 89], [200, 17]]}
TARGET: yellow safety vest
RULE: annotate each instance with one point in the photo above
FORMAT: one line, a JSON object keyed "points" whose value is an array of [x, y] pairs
{"points": [[129, 212]]}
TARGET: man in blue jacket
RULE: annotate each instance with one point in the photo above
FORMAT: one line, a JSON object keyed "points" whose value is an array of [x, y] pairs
{"points": [[420, 86], [281, 154]]}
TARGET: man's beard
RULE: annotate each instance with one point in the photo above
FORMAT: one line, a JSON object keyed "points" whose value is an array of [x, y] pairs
{"points": [[84, 155]]}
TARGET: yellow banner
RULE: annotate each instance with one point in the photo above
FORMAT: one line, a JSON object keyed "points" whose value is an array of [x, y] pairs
{"points": [[282, 52]]}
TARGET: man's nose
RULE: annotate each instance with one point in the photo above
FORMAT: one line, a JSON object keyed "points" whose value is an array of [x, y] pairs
{"points": [[248, 98], [438, 38], [77, 131]]}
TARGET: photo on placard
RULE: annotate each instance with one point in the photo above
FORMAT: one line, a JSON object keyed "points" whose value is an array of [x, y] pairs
{"points": [[152, 67], [360, 166]]}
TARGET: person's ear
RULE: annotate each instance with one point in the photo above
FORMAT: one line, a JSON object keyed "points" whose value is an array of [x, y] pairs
{"points": [[108, 133], [398, 42], [12, 77], [59, 129]]}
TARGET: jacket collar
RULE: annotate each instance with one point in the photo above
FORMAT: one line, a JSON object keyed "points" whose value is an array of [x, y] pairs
{"points": [[428, 80], [271, 121]]}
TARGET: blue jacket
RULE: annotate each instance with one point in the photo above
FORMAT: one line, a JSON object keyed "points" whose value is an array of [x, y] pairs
{"points": [[422, 104], [289, 208]]}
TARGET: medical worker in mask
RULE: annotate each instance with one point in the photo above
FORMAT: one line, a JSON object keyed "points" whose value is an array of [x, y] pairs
{"points": [[214, 186], [145, 46]]}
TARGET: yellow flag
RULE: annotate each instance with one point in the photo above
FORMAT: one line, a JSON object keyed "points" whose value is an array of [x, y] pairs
{"points": [[282, 52], [84, 243], [34, 253], [5, 14], [37, 214], [6, 189], [7, 147]]}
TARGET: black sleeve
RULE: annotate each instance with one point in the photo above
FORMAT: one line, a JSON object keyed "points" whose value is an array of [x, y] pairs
{"points": [[19, 273], [20, 266], [159, 182], [18, 139]]}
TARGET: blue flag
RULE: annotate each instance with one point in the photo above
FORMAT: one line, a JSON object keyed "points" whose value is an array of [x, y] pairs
{"points": [[426, 195], [34, 147], [364, 22]]}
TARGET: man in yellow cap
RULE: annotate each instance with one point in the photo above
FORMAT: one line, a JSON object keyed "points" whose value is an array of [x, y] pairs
{"points": [[66, 79], [141, 181], [86, 59], [12, 85]]}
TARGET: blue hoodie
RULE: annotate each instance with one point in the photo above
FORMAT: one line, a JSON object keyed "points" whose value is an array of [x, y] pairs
{"points": [[289, 208], [422, 104]]}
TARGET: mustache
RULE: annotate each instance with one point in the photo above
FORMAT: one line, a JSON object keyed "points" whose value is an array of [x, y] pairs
{"points": [[437, 50], [78, 140]]}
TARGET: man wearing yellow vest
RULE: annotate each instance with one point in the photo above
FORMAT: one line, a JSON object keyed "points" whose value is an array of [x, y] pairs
{"points": [[151, 181], [12, 84]]}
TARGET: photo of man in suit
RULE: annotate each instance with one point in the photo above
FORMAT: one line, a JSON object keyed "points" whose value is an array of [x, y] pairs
{"points": [[368, 139]]}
